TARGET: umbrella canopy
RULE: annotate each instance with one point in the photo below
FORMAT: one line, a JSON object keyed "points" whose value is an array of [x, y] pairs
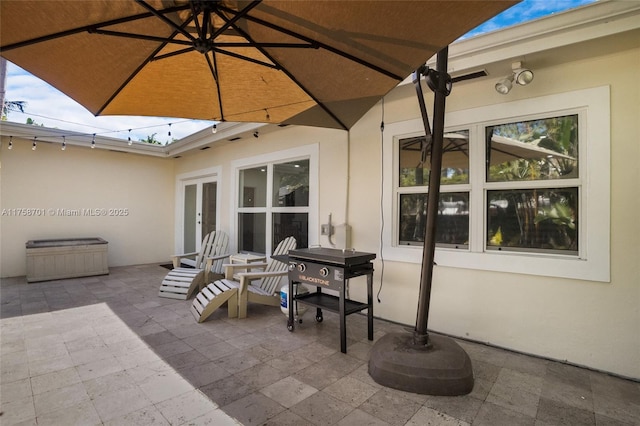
{"points": [[319, 63]]}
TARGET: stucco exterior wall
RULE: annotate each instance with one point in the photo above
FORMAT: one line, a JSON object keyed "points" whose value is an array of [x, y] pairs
{"points": [[136, 191], [332, 169], [588, 323]]}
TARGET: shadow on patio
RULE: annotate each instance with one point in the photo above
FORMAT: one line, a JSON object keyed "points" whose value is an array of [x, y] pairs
{"points": [[108, 350]]}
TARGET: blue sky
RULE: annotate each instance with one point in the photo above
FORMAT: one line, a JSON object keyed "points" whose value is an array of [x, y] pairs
{"points": [[47, 106]]}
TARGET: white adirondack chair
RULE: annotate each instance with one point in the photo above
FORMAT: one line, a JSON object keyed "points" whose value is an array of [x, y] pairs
{"points": [[180, 283], [259, 285]]}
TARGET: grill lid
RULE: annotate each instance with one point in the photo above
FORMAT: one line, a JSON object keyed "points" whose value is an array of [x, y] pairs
{"points": [[340, 257]]}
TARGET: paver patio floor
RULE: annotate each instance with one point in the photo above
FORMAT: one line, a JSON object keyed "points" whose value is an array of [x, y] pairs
{"points": [[108, 350]]}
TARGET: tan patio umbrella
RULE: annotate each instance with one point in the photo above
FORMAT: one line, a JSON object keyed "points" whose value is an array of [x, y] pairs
{"points": [[319, 63]]}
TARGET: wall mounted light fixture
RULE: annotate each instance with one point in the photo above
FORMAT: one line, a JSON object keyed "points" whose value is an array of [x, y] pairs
{"points": [[521, 76]]}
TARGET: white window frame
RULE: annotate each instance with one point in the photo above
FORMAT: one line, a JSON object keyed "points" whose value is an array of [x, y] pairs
{"points": [[593, 260], [306, 152]]}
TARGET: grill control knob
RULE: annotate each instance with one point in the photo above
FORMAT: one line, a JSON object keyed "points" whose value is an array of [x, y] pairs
{"points": [[324, 272], [292, 266], [302, 267]]}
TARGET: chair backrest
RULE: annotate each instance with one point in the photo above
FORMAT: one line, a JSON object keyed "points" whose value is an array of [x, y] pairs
{"points": [[215, 243], [270, 284]]}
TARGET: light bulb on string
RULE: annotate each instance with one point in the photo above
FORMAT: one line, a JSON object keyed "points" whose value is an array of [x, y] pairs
{"points": [[169, 129], [10, 142], [214, 129], [129, 142], [35, 144], [64, 143], [93, 141], [268, 116]]}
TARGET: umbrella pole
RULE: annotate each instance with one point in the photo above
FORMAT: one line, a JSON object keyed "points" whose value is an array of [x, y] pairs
{"points": [[441, 91], [417, 362]]}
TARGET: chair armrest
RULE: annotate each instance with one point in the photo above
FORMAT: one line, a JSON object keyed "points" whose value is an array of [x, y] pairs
{"points": [[230, 268], [176, 258], [247, 277]]}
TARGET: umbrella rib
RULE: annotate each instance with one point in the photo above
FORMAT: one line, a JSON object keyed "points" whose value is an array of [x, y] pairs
{"points": [[169, 55], [214, 72], [317, 43], [137, 70], [288, 74], [245, 58], [229, 23], [87, 28], [161, 15], [140, 37]]}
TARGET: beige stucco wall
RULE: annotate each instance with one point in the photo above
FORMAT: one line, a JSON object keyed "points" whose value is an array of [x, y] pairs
{"points": [[588, 323], [82, 178], [332, 167]]}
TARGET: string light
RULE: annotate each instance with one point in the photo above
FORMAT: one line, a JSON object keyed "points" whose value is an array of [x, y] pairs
{"points": [[214, 129], [268, 116], [94, 135]]}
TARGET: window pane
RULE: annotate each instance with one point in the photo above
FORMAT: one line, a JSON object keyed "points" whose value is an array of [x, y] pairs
{"points": [[251, 232], [533, 150], [209, 198], [534, 219], [291, 224], [253, 187], [190, 209], [455, 159], [452, 227], [291, 184]]}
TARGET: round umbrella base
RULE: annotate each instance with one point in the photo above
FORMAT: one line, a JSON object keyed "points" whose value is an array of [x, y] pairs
{"points": [[444, 368]]}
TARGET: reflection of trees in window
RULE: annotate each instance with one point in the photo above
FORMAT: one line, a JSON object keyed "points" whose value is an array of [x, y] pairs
{"points": [[540, 217], [291, 184], [452, 223], [544, 219], [533, 150], [415, 159]]}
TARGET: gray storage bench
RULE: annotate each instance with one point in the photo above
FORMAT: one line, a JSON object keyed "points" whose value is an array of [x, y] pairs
{"points": [[66, 258]]}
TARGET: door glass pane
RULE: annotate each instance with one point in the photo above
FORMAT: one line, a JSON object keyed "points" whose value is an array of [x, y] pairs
{"points": [[291, 184], [252, 232], [291, 224], [533, 150], [190, 211], [414, 171], [209, 191], [253, 187], [533, 219], [452, 225]]}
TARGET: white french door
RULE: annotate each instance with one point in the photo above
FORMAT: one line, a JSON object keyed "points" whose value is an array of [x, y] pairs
{"points": [[199, 211]]}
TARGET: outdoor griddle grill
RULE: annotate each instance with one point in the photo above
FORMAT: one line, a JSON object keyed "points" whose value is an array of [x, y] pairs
{"points": [[327, 268]]}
